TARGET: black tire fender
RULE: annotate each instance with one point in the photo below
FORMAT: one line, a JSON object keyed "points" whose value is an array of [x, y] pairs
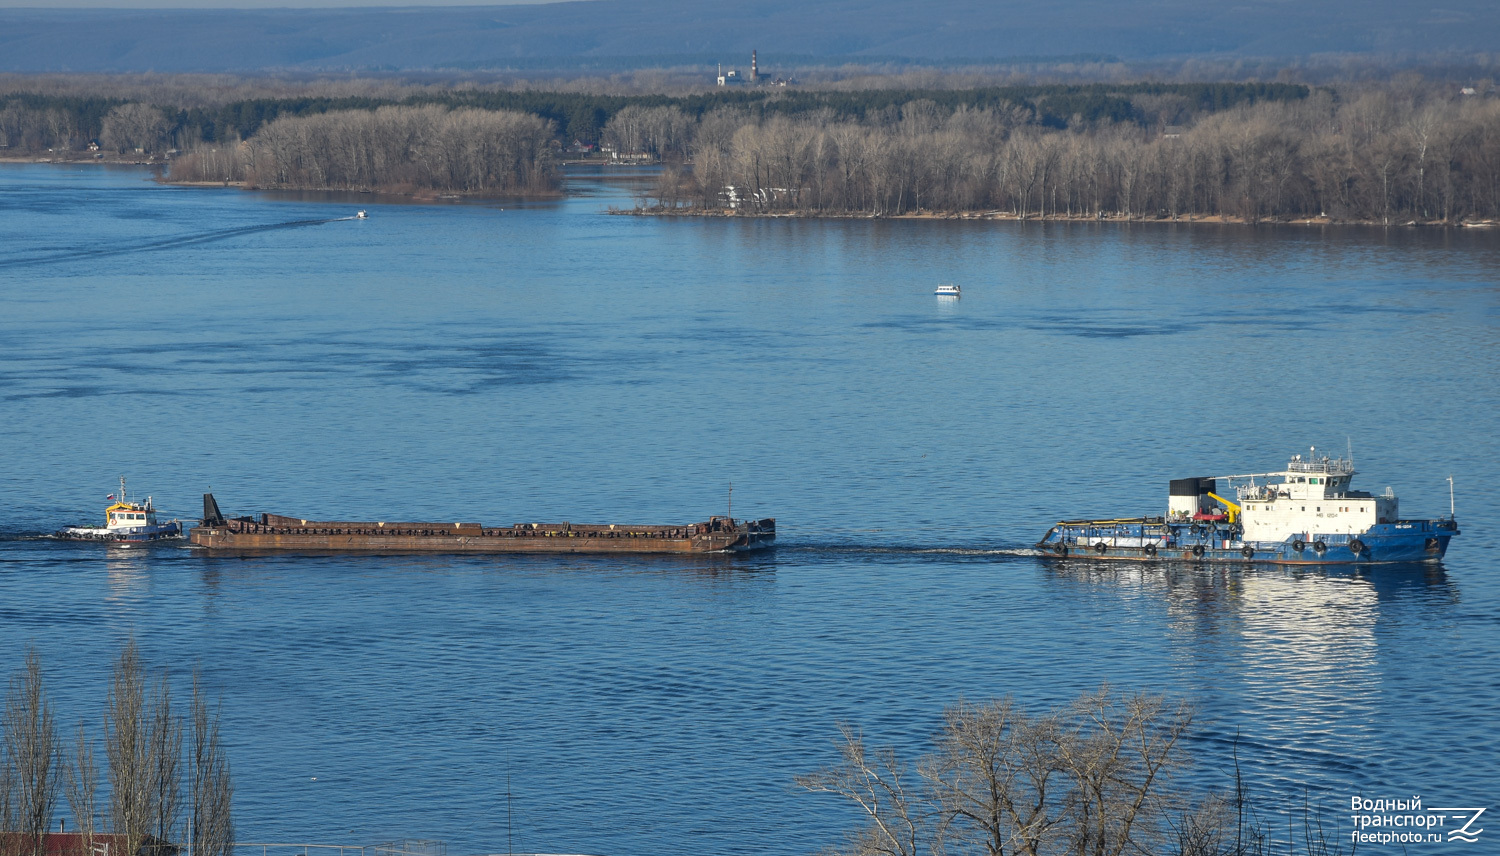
{"points": [[1298, 546], [1356, 546], [1197, 551], [1248, 553], [1320, 546], [1101, 548], [1150, 549]]}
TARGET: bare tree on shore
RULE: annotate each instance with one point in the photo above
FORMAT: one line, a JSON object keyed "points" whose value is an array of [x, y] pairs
{"points": [[874, 780], [164, 759], [211, 826], [134, 126], [83, 788], [1091, 779], [32, 756], [127, 742], [1375, 158], [143, 742]]}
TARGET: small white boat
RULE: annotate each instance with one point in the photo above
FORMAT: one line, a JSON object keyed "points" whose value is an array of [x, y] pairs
{"points": [[125, 522], [361, 216], [947, 291]]}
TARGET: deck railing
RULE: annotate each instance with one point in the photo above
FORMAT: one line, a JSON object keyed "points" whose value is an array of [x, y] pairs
{"points": [[1331, 466]]}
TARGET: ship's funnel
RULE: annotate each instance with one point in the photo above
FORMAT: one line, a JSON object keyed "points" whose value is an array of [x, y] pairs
{"points": [[1190, 496]]}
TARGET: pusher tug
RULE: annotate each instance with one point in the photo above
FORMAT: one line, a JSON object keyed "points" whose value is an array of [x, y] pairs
{"points": [[1305, 514], [125, 522]]}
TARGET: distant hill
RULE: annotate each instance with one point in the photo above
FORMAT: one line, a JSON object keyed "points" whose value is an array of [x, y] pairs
{"points": [[636, 33]]}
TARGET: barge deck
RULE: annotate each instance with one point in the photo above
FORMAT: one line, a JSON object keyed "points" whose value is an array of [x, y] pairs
{"points": [[276, 532]]}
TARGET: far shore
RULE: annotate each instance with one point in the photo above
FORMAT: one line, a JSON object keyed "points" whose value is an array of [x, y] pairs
{"points": [[1211, 219], [409, 194], [403, 193]]}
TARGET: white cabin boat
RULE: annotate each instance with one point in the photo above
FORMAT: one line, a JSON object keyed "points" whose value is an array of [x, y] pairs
{"points": [[125, 522], [949, 290]]}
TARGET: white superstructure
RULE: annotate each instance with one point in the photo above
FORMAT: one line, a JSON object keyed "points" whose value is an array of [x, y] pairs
{"points": [[125, 521], [1311, 496]]}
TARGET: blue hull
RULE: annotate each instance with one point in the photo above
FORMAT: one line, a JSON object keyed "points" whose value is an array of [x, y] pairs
{"points": [[1153, 539]]}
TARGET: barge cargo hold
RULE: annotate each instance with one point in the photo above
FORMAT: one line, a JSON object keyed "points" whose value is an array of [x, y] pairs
{"points": [[275, 532]]}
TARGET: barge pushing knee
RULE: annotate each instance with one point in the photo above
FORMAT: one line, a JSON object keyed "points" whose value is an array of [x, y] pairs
{"points": [[276, 532], [1305, 514]]}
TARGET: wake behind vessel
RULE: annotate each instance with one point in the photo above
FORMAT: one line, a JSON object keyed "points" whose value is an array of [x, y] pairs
{"points": [[125, 522], [278, 532], [1305, 514]]}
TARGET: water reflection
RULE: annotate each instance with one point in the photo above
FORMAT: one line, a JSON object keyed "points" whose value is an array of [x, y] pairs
{"points": [[126, 566], [1212, 587]]}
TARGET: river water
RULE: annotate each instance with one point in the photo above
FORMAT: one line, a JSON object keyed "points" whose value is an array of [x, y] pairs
{"points": [[509, 362]]}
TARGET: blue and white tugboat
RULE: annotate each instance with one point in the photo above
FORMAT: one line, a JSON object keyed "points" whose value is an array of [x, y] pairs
{"points": [[1305, 514], [125, 522]]}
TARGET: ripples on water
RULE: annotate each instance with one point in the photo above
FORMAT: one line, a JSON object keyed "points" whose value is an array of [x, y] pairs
{"points": [[518, 362]]}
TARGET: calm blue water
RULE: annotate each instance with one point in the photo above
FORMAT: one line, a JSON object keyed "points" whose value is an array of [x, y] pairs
{"points": [[507, 362]]}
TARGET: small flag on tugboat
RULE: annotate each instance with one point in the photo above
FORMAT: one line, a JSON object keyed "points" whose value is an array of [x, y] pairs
{"points": [[111, 496]]}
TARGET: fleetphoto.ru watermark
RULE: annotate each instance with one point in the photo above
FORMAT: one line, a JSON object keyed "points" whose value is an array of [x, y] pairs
{"points": [[1387, 821]]}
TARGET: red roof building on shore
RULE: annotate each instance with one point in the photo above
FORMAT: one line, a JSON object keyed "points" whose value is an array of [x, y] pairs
{"points": [[78, 844]]}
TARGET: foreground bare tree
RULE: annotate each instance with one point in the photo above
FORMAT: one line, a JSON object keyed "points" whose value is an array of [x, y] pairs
{"points": [[32, 756], [1090, 779], [83, 788], [875, 781], [211, 827], [1118, 755], [164, 760], [995, 777], [143, 747], [128, 747]]}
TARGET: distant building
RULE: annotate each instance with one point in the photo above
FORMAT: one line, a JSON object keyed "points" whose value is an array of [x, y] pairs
{"points": [[1468, 90], [1172, 132], [732, 77]]}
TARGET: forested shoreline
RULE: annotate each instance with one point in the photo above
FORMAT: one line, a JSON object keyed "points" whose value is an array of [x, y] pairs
{"points": [[1375, 159], [1393, 152]]}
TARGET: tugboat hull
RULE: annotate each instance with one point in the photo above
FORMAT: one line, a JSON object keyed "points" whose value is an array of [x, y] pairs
{"points": [[1155, 540]]}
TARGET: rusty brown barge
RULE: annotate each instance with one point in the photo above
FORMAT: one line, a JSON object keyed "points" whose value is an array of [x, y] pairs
{"points": [[276, 532]]}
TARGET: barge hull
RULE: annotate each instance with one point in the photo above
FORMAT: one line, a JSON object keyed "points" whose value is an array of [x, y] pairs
{"points": [[275, 532], [220, 539]]}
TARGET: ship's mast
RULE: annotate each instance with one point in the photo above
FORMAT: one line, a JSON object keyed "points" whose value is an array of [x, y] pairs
{"points": [[1451, 510], [122, 488]]}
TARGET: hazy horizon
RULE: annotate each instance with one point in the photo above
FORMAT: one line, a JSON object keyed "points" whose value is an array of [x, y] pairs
{"points": [[394, 35]]}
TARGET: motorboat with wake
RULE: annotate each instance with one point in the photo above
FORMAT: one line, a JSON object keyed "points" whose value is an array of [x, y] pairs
{"points": [[125, 522]]}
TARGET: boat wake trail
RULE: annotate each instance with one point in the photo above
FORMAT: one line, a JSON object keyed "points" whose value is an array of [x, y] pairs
{"points": [[875, 550], [160, 244]]}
